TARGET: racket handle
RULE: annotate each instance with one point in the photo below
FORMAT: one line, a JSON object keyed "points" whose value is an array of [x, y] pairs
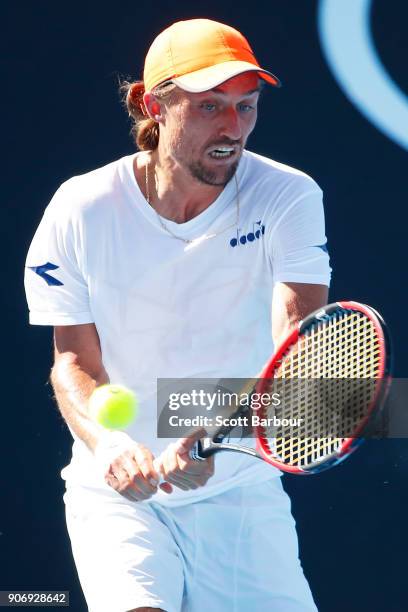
{"points": [[197, 452]]}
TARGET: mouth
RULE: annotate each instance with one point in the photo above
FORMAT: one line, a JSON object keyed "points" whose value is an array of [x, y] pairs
{"points": [[221, 152]]}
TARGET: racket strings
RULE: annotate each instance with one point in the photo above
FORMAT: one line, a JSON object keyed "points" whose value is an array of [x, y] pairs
{"points": [[326, 382]]}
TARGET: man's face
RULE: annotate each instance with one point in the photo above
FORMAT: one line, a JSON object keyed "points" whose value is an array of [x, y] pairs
{"points": [[207, 132]]}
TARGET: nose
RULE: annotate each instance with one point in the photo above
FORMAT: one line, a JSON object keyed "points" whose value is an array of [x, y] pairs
{"points": [[231, 125]]}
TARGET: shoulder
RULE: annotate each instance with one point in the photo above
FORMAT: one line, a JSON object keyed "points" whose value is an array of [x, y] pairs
{"points": [[278, 178], [91, 194], [284, 197]]}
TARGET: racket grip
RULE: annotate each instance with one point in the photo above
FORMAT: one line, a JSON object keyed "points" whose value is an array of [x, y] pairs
{"points": [[196, 452]]}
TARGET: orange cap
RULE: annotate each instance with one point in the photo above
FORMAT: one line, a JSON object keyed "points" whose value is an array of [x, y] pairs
{"points": [[199, 54]]}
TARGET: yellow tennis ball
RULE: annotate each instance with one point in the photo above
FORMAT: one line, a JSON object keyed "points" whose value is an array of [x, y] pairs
{"points": [[113, 406]]}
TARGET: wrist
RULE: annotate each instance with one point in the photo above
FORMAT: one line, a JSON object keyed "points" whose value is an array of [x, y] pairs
{"points": [[108, 445]]}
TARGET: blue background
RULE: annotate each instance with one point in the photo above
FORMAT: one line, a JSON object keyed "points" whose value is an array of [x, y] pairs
{"points": [[62, 116]]}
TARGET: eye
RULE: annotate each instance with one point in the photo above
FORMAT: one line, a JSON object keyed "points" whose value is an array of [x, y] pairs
{"points": [[208, 106], [246, 108]]}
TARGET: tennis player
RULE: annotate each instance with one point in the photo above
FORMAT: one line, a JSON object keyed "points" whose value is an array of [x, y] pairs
{"points": [[190, 258]]}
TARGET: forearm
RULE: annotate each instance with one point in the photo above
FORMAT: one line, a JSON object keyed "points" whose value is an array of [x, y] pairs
{"points": [[127, 466], [73, 386], [291, 303]]}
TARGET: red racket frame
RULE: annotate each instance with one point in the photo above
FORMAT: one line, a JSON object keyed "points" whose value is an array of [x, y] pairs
{"points": [[384, 380]]}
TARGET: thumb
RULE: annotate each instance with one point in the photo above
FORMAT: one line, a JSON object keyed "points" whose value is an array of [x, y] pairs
{"points": [[163, 485], [184, 445]]}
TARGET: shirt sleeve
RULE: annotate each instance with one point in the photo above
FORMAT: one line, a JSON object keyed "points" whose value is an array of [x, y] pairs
{"points": [[55, 281], [297, 243]]}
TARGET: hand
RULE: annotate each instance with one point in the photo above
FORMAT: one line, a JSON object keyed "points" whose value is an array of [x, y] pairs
{"points": [[177, 467], [128, 467]]}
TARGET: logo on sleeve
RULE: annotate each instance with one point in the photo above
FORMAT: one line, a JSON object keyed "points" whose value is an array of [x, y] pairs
{"points": [[43, 272]]}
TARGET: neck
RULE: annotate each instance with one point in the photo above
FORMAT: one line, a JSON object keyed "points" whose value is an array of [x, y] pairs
{"points": [[172, 191]]}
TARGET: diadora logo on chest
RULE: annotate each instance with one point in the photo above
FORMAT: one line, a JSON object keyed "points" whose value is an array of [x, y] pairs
{"points": [[258, 230]]}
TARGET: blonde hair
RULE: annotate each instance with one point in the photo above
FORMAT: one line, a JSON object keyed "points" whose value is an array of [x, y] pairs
{"points": [[145, 130]]}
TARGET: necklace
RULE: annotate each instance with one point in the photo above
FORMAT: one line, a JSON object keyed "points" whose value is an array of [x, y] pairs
{"points": [[194, 241]]}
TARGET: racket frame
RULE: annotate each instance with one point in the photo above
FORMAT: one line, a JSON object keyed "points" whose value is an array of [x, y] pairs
{"points": [[384, 375]]}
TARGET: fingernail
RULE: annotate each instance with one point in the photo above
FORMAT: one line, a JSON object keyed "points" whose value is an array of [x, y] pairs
{"points": [[153, 482]]}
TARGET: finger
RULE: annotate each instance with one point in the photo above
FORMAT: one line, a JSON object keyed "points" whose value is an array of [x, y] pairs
{"points": [[144, 460], [121, 476], [185, 474], [164, 486], [184, 445], [111, 480], [114, 483], [129, 489], [136, 477], [177, 483], [195, 472], [192, 481], [140, 482], [190, 468], [169, 468], [132, 495], [173, 460], [130, 478], [175, 478], [179, 478]]}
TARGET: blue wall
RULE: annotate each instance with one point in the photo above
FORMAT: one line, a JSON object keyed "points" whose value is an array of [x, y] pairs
{"points": [[62, 117]]}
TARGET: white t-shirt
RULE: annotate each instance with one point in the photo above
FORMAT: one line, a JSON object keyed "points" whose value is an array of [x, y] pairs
{"points": [[164, 309]]}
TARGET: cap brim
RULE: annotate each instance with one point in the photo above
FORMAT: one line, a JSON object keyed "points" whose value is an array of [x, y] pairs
{"points": [[212, 76]]}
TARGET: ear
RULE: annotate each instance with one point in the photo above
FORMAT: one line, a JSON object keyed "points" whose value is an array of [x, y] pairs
{"points": [[153, 107]]}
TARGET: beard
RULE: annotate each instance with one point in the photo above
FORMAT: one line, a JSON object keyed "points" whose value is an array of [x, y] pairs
{"points": [[209, 177]]}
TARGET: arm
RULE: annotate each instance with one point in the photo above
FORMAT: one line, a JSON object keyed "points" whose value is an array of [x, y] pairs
{"points": [[78, 369], [291, 303]]}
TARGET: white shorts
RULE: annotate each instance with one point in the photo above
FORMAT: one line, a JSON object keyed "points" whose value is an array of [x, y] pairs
{"points": [[234, 552]]}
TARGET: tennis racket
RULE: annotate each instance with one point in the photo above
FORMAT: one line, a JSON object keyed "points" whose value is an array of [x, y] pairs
{"points": [[332, 373]]}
